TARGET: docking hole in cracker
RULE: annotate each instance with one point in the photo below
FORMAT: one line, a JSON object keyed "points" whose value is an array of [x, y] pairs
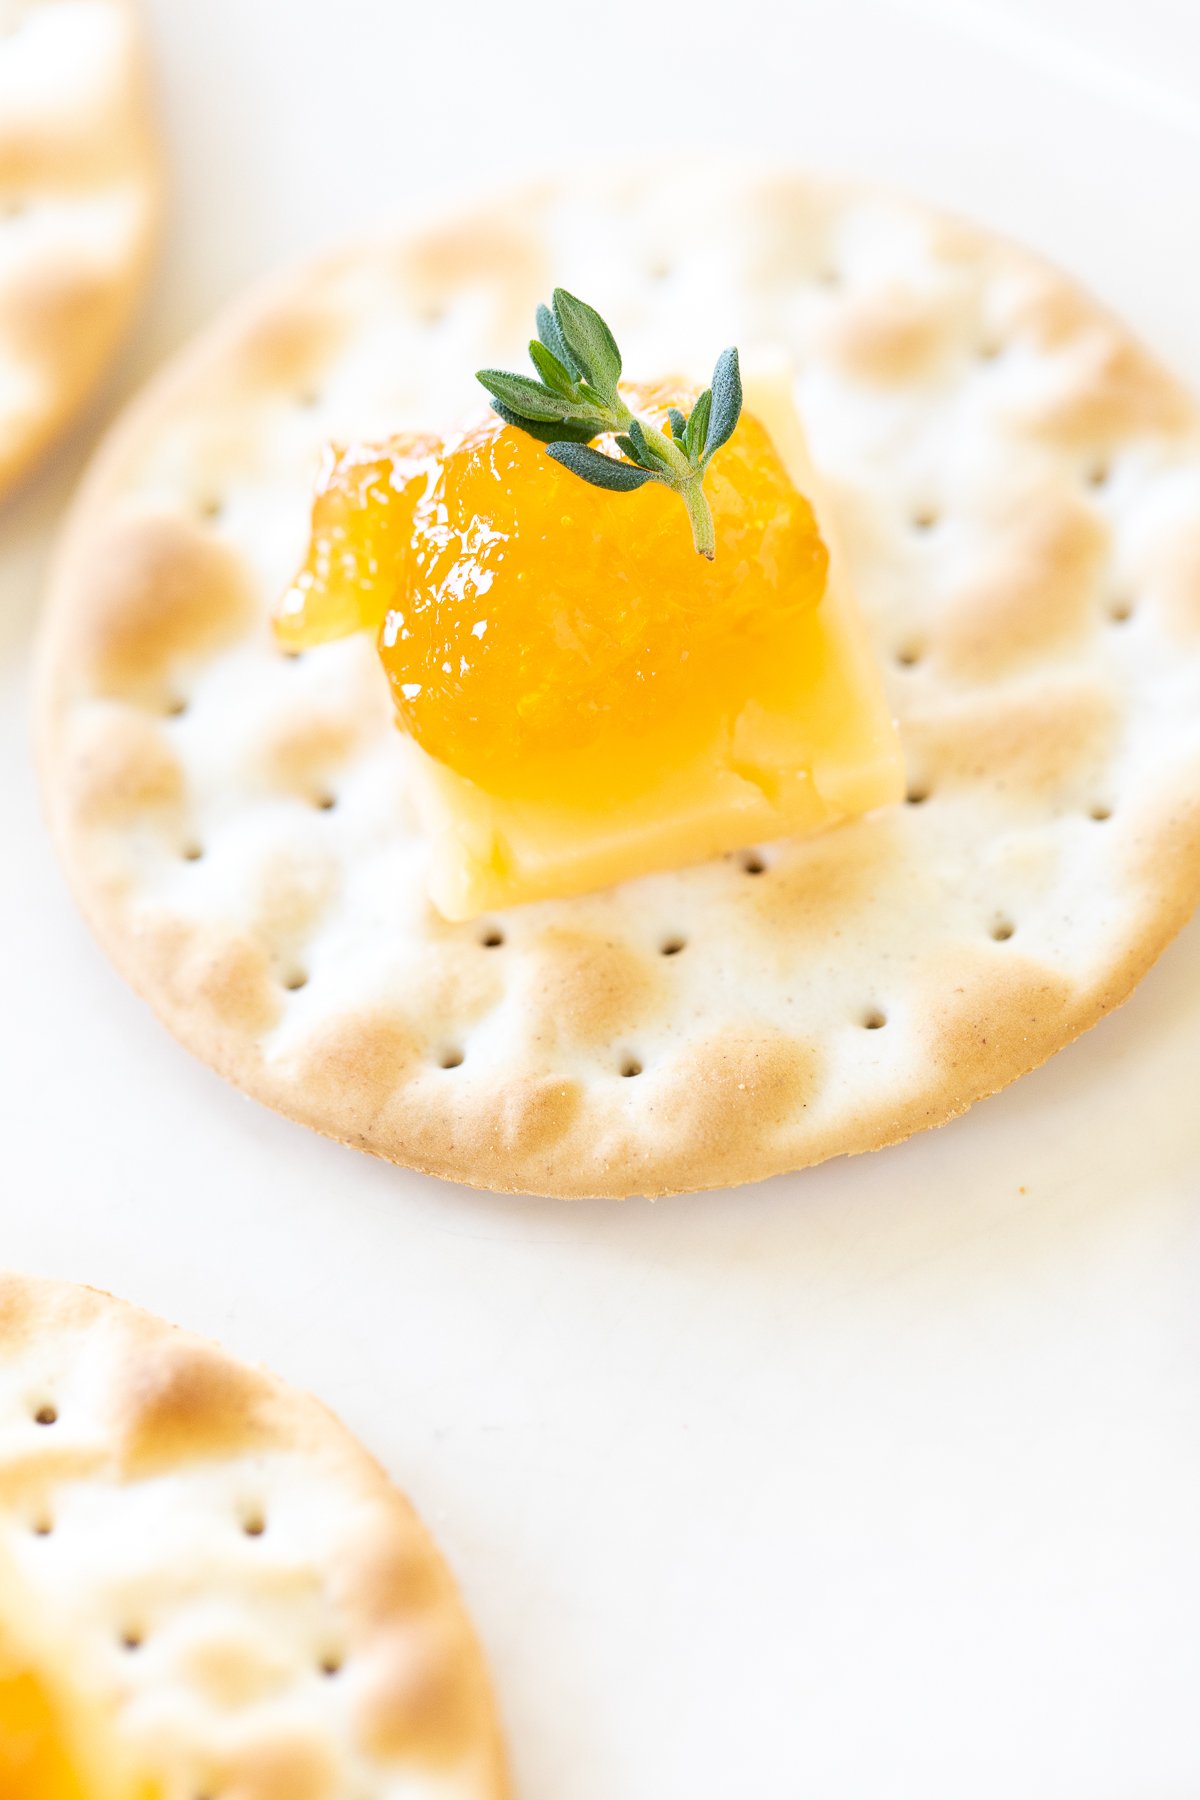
{"points": [[208, 1589], [680, 870], [80, 179]]}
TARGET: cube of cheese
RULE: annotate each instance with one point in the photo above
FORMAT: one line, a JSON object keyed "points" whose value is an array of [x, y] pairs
{"points": [[824, 749]]}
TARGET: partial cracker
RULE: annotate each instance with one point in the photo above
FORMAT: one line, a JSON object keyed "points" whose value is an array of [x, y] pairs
{"points": [[80, 182], [223, 1573]]}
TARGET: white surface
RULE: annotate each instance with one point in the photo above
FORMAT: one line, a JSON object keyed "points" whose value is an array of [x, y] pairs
{"points": [[882, 1481]]}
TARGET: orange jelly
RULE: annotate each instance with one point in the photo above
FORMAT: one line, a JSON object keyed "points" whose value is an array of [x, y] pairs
{"points": [[34, 1764], [44, 1750], [545, 638], [591, 699]]}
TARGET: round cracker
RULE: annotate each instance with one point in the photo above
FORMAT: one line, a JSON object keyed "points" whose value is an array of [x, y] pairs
{"points": [[223, 1572], [1018, 486], [79, 199]]}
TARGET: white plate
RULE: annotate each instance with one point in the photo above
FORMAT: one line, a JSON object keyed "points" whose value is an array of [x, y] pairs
{"points": [[883, 1481]]}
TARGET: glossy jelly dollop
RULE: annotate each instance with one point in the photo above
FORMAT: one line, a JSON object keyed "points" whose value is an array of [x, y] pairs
{"points": [[549, 640]]}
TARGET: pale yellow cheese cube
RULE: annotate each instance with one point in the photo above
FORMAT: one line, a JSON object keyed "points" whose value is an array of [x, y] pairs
{"points": [[833, 753]]}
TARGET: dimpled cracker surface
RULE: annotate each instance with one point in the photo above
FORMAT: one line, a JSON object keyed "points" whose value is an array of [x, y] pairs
{"points": [[225, 1570], [79, 196], [1017, 484]]}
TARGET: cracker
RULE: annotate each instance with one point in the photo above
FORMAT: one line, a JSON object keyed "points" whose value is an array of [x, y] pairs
{"points": [[1018, 486], [79, 199], [223, 1572]]}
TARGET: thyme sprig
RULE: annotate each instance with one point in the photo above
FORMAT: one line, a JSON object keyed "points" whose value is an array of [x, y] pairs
{"points": [[576, 399]]}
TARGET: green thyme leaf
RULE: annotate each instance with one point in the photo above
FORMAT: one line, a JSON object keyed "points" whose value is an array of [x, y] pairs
{"points": [[697, 427], [678, 424], [726, 402], [596, 401], [589, 341], [646, 452], [550, 369], [548, 431], [525, 396], [602, 471], [551, 336]]}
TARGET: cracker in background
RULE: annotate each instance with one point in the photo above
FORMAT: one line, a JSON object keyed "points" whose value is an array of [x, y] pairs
{"points": [[223, 1572], [79, 197], [1017, 487]]}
